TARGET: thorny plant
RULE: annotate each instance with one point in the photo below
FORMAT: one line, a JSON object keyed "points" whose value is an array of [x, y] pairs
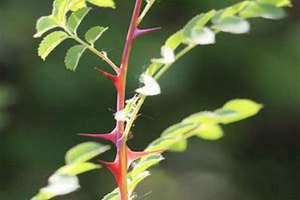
{"points": [[130, 167]]}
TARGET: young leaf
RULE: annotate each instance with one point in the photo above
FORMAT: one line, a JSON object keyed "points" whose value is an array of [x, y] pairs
{"points": [[60, 9], [103, 3], [145, 163], [180, 146], [58, 185], [84, 152], [267, 11], [50, 42], [174, 40], [209, 132], [45, 24], [77, 168], [233, 24], [93, 34], [73, 56], [75, 5], [238, 109], [76, 18], [201, 36], [278, 3]]}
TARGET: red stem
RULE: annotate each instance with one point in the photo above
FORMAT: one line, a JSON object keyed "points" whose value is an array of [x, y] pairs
{"points": [[121, 141]]}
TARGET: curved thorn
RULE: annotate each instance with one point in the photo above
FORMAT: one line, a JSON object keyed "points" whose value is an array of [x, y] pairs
{"points": [[113, 78]]}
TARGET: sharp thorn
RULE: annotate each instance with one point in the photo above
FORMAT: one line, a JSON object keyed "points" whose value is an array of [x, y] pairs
{"points": [[139, 32]]}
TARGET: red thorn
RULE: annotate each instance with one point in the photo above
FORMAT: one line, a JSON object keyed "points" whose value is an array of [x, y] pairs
{"points": [[109, 136], [138, 32], [114, 168], [113, 78], [112, 136], [135, 155]]}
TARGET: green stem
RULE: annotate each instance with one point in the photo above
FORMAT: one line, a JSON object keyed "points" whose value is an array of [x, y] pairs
{"points": [[142, 98]]}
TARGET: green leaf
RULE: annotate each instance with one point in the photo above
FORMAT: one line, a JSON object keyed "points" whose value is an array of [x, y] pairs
{"points": [[60, 9], [263, 10], [145, 163], [73, 56], [174, 40], [197, 22], [209, 132], [103, 3], [50, 42], [180, 146], [76, 18], [178, 130], [278, 3], [162, 143], [236, 110], [84, 152], [77, 168], [233, 24], [75, 5], [45, 24], [93, 34]]}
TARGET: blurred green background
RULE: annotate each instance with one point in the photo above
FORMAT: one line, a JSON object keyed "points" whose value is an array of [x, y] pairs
{"points": [[44, 106]]}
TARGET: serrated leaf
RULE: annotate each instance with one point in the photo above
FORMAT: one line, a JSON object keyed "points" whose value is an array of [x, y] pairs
{"points": [[77, 168], [76, 18], [60, 8], [93, 34], [263, 10], [50, 42], [103, 3], [73, 56], [75, 5], [84, 152], [209, 132], [45, 24], [233, 24], [180, 146]]}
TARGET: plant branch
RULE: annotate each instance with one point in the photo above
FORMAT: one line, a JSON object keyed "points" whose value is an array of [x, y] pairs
{"points": [[103, 56], [142, 98], [146, 10], [121, 143]]}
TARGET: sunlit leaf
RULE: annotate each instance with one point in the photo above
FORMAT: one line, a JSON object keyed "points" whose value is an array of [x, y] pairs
{"points": [[60, 8], [45, 24], [263, 10], [93, 34], [145, 163], [77, 168], [233, 24], [76, 18], [179, 146], [209, 132], [73, 56], [103, 3], [50, 42], [239, 109], [174, 40], [85, 151], [75, 5]]}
